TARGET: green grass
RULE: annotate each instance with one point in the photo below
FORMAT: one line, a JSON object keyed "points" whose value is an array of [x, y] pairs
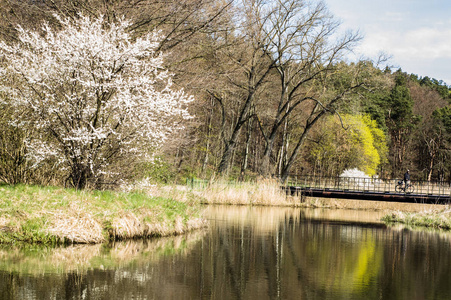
{"points": [[440, 219], [38, 214]]}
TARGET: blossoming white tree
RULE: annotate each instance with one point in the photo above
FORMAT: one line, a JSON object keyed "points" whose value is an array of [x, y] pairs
{"points": [[94, 94]]}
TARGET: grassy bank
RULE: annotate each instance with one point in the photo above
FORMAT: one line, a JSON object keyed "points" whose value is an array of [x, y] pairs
{"points": [[56, 215], [268, 192], [437, 218]]}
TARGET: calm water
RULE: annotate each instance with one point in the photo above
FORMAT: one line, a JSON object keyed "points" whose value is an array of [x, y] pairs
{"points": [[246, 253]]}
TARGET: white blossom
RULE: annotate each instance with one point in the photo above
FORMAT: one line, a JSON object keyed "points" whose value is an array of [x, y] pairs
{"points": [[90, 88]]}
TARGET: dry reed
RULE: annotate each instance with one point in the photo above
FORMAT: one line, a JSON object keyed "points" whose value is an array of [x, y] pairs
{"points": [[433, 218], [262, 192], [269, 192], [75, 226]]}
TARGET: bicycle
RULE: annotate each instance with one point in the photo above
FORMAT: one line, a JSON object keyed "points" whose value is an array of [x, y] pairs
{"points": [[406, 189]]}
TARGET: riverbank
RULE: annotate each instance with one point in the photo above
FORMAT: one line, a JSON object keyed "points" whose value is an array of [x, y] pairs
{"points": [[434, 218], [52, 215], [268, 192]]}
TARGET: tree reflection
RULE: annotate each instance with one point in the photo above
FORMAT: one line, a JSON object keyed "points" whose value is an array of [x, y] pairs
{"points": [[250, 253], [310, 258]]}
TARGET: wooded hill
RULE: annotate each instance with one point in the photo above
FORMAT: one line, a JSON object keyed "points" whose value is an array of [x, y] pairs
{"points": [[274, 94]]}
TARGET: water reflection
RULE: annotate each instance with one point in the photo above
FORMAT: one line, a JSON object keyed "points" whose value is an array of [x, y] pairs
{"points": [[111, 271], [246, 253]]}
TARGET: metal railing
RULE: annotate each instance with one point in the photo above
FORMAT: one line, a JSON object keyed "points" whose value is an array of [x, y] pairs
{"points": [[361, 184], [354, 184]]}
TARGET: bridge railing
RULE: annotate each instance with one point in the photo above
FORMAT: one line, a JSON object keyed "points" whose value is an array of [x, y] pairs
{"points": [[374, 185]]}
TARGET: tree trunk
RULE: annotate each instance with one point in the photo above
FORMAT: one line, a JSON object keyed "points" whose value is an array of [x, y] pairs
{"points": [[284, 148], [207, 146], [80, 176], [231, 143], [246, 151], [287, 167], [226, 156], [307, 127], [431, 166]]}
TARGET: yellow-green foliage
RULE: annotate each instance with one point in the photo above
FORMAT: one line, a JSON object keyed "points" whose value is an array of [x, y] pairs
{"points": [[378, 136], [360, 145]]}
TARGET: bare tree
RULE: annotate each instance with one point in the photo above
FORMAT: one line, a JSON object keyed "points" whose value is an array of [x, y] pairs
{"points": [[429, 136], [300, 44], [287, 56], [324, 102], [245, 69]]}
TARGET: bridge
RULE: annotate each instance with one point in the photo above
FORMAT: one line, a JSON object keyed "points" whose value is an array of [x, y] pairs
{"points": [[368, 189]]}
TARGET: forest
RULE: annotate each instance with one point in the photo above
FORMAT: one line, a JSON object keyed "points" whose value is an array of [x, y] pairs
{"points": [[248, 89]]}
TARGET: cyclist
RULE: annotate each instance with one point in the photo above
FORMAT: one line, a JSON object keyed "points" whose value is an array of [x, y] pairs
{"points": [[406, 179]]}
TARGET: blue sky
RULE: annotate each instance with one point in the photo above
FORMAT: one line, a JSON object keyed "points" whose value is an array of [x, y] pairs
{"points": [[415, 34]]}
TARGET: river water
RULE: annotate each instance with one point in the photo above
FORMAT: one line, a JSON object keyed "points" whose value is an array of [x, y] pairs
{"points": [[245, 253]]}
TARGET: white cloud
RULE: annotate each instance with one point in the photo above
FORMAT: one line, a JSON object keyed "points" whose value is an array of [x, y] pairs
{"points": [[421, 43], [428, 43], [391, 16], [416, 33]]}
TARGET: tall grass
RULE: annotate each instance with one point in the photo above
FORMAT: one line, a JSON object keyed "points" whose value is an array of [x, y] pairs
{"points": [[56, 215], [270, 192], [261, 192], [438, 218]]}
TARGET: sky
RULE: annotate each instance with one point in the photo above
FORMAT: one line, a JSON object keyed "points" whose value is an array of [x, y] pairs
{"points": [[415, 34]]}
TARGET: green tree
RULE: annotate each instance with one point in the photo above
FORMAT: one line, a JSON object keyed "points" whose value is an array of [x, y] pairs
{"points": [[442, 128], [401, 121], [437, 85], [359, 144]]}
